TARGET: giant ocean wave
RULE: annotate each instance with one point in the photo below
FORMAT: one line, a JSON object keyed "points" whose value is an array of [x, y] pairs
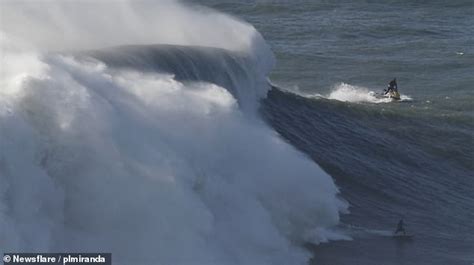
{"points": [[154, 153]]}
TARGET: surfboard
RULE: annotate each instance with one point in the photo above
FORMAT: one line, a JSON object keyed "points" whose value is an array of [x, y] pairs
{"points": [[401, 236]]}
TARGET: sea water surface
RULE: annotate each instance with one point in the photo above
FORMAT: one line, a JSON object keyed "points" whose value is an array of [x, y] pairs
{"points": [[411, 159], [166, 132]]}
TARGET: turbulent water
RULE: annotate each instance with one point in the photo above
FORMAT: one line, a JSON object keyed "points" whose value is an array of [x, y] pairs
{"points": [[169, 133], [412, 159]]}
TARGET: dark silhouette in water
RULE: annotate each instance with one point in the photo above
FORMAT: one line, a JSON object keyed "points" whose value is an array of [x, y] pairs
{"points": [[392, 87], [400, 228]]}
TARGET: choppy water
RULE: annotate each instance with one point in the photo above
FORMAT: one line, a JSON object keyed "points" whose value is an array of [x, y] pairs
{"points": [[175, 147], [412, 159]]}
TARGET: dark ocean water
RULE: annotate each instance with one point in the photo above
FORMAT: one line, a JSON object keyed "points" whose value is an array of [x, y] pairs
{"points": [[412, 159], [159, 150]]}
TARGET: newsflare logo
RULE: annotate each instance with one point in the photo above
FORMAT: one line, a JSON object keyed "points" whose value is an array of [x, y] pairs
{"points": [[7, 258], [57, 258]]}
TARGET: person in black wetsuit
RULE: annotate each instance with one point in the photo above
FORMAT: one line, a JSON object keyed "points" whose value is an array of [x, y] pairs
{"points": [[392, 86], [400, 227]]}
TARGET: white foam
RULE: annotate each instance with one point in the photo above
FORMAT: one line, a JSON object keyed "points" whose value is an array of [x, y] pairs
{"points": [[61, 25], [148, 168], [350, 93], [137, 163]]}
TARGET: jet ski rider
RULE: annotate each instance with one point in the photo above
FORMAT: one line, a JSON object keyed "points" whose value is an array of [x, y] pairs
{"points": [[392, 87]]}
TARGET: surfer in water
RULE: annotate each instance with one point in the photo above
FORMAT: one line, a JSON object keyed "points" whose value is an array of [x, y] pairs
{"points": [[400, 228]]}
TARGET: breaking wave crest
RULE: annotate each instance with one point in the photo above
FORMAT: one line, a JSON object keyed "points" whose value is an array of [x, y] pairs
{"points": [[144, 152]]}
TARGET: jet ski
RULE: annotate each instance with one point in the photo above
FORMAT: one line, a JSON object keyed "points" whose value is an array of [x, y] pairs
{"points": [[393, 95]]}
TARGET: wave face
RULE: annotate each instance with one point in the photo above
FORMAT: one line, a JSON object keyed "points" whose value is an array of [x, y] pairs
{"points": [[412, 159], [151, 151], [399, 161]]}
